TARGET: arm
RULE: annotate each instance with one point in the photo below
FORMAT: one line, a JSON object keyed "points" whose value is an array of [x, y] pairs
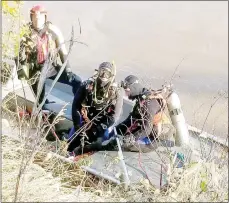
{"points": [[76, 106], [60, 43], [114, 110]]}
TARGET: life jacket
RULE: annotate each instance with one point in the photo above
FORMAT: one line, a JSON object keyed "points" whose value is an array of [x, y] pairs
{"points": [[44, 43]]}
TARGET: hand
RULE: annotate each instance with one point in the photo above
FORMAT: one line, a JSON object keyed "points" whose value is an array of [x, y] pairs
{"points": [[84, 111], [100, 129], [70, 76], [84, 115], [69, 72]]}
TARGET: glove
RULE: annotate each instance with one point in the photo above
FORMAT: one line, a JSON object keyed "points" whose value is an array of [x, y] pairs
{"points": [[100, 129], [77, 151], [84, 114], [70, 76], [69, 72]]}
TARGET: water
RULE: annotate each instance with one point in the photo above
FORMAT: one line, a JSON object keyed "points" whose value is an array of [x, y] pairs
{"points": [[150, 39]]}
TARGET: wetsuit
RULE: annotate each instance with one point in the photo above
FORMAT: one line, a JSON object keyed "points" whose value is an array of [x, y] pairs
{"points": [[110, 112], [36, 46], [140, 120]]}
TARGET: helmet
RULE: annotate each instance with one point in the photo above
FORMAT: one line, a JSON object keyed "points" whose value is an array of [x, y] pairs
{"points": [[38, 8], [129, 80], [105, 72], [132, 86], [105, 79], [39, 22]]}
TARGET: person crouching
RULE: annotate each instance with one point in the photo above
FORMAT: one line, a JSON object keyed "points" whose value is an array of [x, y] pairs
{"points": [[97, 105]]}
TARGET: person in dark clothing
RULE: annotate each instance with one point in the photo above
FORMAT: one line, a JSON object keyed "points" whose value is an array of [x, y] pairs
{"points": [[140, 120], [41, 42], [98, 104]]}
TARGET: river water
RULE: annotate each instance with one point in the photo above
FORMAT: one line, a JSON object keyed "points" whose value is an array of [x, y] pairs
{"points": [[150, 39]]}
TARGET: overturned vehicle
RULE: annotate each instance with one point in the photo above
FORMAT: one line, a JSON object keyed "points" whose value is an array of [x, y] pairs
{"points": [[139, 156]]}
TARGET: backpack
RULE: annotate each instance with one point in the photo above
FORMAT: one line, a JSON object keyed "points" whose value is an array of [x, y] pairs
{"points": [[160, 115]]}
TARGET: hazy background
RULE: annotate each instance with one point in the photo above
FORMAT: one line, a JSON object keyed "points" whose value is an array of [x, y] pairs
{"points": [[150, 39]]}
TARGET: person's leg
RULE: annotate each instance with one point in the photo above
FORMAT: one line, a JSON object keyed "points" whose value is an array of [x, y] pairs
{"points": [[96, 143], [75, 140], [42, 95], [96, 134], [95, 137], [75, 81], [110, 146], [94, 146], [121, 128], [35, 90], [74, 143]]}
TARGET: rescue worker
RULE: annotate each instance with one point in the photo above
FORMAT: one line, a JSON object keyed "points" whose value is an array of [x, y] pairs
{"points": [[145, 122], [41, 42], [99, 102]]}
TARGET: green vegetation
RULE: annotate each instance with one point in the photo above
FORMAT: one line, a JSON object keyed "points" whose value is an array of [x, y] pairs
{"points": [[13, 30]]}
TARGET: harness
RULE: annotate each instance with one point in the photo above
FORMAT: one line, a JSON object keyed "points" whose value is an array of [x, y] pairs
{"points": [[160, 116], [45, 44], [38, 45], [42, 48], [99, 98], [93, 105]]}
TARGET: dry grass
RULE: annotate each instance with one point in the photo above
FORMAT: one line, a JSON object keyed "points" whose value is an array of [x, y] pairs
{"points": [[47, 178], [50, 179], [38, 184]]}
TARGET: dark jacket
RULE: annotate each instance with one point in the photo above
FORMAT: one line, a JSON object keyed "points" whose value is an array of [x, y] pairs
{"points": [[141, 117], [111, 108]]}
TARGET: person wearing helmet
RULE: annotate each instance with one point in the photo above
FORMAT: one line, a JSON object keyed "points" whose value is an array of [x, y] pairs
{"points": [[142, 123], [41, 42], [96, 107]]}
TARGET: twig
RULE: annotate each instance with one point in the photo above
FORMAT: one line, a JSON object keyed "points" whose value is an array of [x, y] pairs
{"points": [[79, 25], [21, 169], [212, 105], [176, 69]]}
